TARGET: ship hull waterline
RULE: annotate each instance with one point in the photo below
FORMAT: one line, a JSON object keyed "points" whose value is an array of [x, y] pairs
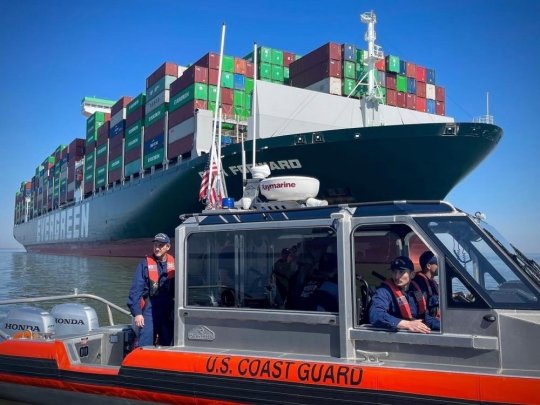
{"points": [[405, 162]]}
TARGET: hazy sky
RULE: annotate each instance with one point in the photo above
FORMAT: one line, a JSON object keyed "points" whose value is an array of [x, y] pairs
{"points": [[54, 53]]}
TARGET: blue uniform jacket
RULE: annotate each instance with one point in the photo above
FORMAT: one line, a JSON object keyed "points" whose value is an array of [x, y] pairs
{"points": [[384, 311], [162, 301]]}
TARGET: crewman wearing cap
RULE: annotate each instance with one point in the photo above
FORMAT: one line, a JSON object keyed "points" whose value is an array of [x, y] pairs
{"points": [[151, 297], [425, 279], [394, 305]]}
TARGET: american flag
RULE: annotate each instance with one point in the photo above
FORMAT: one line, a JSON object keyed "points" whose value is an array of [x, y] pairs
{"points": [[213, 195]]}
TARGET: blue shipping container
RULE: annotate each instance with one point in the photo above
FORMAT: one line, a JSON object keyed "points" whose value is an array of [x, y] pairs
{"points": [[402, 67], [430, 106], [118, 128], [153, 144], [349, 52], [430, 76], [239, 82], [411, 85]]}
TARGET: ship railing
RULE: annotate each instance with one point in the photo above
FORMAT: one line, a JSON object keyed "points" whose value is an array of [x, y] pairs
{"points": [[109, 305]]}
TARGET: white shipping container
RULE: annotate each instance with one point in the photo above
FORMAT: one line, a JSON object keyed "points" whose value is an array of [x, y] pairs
{"points": [[118, 117], [430, 91], [330, 85], [181, 130], [154, 103]]}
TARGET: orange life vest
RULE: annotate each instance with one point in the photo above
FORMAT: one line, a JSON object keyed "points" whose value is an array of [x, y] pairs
{"points": [[403, 304], [153, 274], [419, 297], [431, 285]]}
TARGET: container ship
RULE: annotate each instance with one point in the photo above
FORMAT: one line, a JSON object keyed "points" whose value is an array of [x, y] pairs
{"points": [[369, 127]]}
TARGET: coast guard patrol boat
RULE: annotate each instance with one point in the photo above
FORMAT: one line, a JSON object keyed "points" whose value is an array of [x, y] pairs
{"points": [[239, 339]]}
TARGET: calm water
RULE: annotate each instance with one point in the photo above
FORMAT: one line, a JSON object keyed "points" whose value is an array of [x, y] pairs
{"points": [[35, 275]]}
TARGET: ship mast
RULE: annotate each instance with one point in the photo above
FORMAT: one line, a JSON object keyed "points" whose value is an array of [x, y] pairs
{"points": [[372, 98]]}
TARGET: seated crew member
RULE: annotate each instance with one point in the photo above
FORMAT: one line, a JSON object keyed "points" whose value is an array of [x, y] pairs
{"points": [[151, 297], [283, 272], [427, 284], [320, 292], [394, 305]]}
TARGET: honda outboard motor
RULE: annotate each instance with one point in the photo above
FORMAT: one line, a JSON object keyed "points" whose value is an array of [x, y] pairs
{"points": [[23, 321], [73, 318]]}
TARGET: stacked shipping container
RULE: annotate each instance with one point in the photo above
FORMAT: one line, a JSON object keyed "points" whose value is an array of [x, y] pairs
{"points": [[133, 135], [158, 126], [117, 129]]}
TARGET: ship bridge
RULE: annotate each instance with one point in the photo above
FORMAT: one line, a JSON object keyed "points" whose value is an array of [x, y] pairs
{"points": [[89, 105]]}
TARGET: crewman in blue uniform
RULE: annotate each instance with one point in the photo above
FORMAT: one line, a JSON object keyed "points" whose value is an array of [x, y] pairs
{"points": [[151, 297], [425, 279], [395, 305]]}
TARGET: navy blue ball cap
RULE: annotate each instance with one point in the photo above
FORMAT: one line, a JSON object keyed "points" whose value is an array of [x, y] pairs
{"points": [[402, 263], [161, 237], [427, 258]]}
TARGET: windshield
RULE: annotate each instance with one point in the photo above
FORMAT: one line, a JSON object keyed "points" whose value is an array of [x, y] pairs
{"points": [[482, 262]]}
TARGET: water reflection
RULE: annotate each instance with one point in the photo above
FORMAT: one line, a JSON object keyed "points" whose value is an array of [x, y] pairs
{"points": [[35, 275]]}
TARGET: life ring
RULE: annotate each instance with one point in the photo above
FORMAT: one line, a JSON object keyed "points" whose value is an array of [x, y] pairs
{"points": [[26, 334]]}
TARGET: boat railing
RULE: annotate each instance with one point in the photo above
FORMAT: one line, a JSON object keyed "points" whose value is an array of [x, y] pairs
{"points": [[76, 295]]}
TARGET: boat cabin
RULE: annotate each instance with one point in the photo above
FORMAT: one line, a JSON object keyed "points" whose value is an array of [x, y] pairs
{"points": [[298, 283]]}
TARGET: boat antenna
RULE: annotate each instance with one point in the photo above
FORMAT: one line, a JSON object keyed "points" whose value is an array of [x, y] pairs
{"points": [[254, 101], [216, 186], [488, 118]]}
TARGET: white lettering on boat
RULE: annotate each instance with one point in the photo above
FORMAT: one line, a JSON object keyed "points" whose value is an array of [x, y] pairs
{"points": [[70, 223], [274, 165]]}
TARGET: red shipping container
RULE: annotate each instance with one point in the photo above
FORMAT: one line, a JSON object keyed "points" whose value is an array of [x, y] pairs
{"points": [[439, 108], [420, 89], [421, 74], [288, 58], [390, 80], [179, 147], [121, 103], [410, 70], [116, 140], [88, 188], [76, 149], [228, 110], [186, 111], [115, 175], [240, 66], [250, 70], [212, 76], [381, 65], [103, 133], [135, 116], [193, 74], [227, 96], [155, 129], [101, 160], [322, 54], [210, 61], [439, 93], [132, 155], [329, 68], [421, 104], [167, 69], [115, 151], [401, 99], [70, 195], [411, 101], [391, 97]]}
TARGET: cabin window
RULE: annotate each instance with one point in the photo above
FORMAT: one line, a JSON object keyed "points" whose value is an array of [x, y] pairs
{"points": [[374, 248], [482, 266], [280, 269]]}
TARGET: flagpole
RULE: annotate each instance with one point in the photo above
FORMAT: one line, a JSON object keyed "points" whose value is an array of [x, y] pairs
{"points": [[218, 104], [254, 100]]}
